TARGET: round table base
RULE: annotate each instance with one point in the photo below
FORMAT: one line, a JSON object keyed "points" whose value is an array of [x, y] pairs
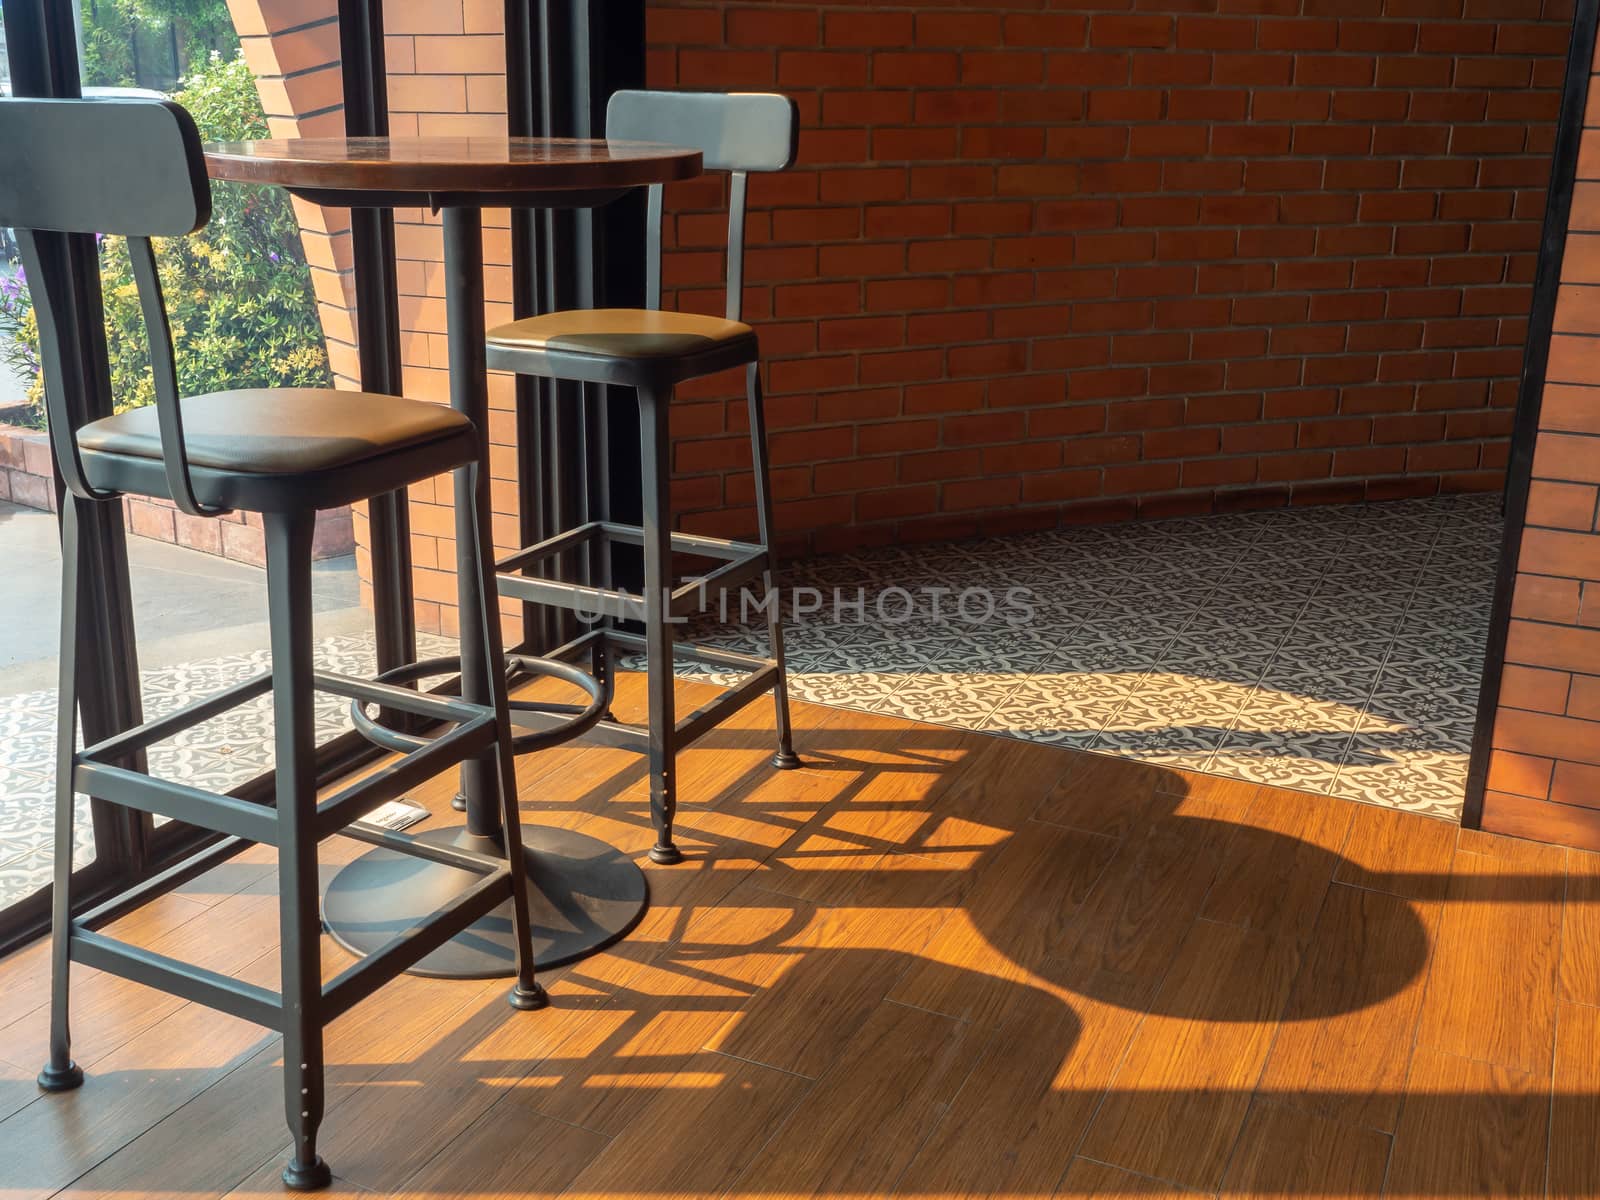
{"points": [[583, 895]]}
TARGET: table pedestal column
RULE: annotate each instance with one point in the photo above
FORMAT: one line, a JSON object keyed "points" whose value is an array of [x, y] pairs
{"points": [[585, 894]]}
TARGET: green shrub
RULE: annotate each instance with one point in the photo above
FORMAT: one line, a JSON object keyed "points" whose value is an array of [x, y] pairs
{"points": [[238, 293], [151, 43]]}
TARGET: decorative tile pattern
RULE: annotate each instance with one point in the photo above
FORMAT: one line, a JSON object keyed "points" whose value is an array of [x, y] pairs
{"points": [[218, 755], [1335, 650]]}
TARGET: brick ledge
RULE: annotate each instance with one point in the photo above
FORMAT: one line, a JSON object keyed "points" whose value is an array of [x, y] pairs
{"points": [[26, 478]]}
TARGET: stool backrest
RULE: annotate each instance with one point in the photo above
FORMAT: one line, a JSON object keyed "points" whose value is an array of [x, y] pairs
{"points": [[127, 167], [737, 132]]}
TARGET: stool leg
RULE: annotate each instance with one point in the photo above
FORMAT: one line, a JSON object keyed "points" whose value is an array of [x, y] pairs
{"points": [[656, 472], [600, 664], [288, 538], [61, 1074], [526, 993], [785, 759]]}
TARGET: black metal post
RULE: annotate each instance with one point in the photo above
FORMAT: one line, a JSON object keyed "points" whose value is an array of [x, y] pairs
{"points": [[366, 114], [469, 395], [524, 108], [564, 59], [42, 50], [618, 62], [586, 893]]}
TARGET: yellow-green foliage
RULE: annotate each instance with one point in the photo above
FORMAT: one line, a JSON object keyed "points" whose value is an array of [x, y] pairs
{"points": [[238, 293]]}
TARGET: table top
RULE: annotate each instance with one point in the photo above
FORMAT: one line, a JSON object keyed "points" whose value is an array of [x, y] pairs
{"points": [[457, 165]]}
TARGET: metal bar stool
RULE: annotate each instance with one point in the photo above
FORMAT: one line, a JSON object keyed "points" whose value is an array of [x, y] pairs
{"points": [[652, 351], [134, 168]]}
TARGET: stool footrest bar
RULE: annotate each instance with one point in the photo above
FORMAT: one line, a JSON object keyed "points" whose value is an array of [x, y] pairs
{"points": [[611, 734], [693, 596], [360, 798], [568, 651], [162, 797], [419, 704], [575, 597], [686, 543], [711, 714], [709, 655], [233, 996], [178, 873], [551, 546], [687, 598]]}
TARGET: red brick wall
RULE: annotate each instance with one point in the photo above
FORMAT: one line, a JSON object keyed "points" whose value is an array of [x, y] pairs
{"points": [[1039, 263], [1544, 769]]}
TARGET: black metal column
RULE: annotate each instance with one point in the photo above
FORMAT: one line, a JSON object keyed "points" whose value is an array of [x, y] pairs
{"points": [[366, 114], [469, 395], [564, 59], [42, 51]]}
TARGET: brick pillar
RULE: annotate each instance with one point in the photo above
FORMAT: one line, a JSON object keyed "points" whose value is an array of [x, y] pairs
{"points": [[292, 47], [1544, 768]]}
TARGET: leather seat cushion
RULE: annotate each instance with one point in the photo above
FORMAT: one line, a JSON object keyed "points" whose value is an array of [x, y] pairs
{"points": [[279, 431], [630, 333]]}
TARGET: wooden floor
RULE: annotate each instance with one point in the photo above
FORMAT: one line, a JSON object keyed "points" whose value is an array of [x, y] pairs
{"points": [[930, 963]]}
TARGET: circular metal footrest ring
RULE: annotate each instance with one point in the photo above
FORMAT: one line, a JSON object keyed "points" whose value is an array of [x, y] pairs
{"points": [[581, 718]]}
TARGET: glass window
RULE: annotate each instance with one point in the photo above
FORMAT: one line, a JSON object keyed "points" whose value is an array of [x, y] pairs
{"points": [[244, 314]]}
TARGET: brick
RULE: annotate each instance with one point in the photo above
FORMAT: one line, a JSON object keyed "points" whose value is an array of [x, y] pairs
{"points": [[428, 93], [1155, 32], [1553, 646], [1583, 699], [1539, 690], [466, 54], [245, 543], [150, 520], [760, 27], [1520, 774], [869, 28], [1577, 784], [1562, 505], [1560, 552]]}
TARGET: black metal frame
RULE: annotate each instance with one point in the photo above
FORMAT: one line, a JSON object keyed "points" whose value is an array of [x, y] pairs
{"points": [[366, 114], [294, 824], [1530, 398], [163, 190], [563, 59]]}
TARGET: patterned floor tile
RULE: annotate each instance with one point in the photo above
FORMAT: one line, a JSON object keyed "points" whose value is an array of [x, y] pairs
{"points": [[961, 699], [1411, 779], [1336, 650], [1307, 761], [218, 755]]}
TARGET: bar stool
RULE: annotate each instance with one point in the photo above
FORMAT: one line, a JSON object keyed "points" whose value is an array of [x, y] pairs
{"points": [[652, 351], [134, 168]]}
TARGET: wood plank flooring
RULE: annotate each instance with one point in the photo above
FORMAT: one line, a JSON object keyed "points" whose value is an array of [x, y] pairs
{"points": [[930, 963]]}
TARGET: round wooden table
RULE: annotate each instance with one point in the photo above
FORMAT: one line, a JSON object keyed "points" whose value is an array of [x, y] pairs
{"points": [[585, 893]]}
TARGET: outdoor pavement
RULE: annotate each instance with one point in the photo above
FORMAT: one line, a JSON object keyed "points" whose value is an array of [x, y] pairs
{"points": [[200, 624], [188, 606]]}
